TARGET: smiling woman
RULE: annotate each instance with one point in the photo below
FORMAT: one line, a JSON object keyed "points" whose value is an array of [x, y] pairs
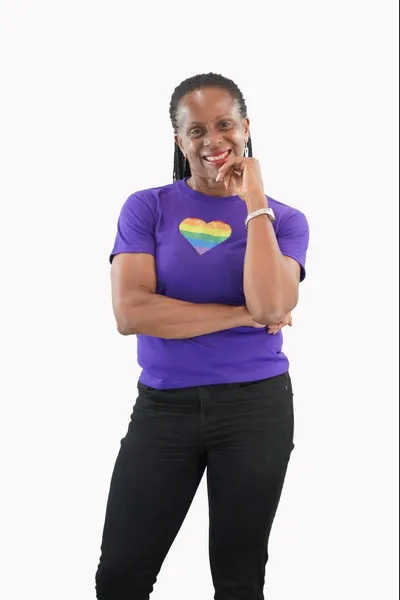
{"points": [[204, 271], [224, 111]]}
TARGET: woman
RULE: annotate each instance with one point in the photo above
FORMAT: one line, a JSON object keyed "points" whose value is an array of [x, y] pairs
{"points": [[204, 292]]}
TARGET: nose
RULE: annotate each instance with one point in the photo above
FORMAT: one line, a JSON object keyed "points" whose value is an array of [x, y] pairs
{"points": [[212, 139]]}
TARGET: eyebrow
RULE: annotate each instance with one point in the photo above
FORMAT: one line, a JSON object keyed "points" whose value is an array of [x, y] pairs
{"points": [[216, 119]]}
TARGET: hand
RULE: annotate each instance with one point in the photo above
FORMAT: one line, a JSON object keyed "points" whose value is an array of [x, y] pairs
{"points": [[244, 174], [286, 321]]}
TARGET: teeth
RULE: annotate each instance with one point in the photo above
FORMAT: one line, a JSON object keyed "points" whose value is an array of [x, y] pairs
{"points": [[219, 157]]}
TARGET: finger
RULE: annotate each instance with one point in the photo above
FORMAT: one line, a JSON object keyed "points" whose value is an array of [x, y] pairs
{"points": [[237, 178], [237, 181], [222, 174], [223, 171], [231, 179], [232, 160], [288, 319]]}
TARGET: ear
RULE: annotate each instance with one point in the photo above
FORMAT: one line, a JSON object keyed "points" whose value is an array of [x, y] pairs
{"points": [[246, 128], [178, 141]]}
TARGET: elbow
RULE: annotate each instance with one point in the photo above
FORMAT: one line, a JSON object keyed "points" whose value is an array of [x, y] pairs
{"points": [[130, 317], [125, 326], [273, 314], [270, 315], [131, 313], [268, 318], [123, 329]]}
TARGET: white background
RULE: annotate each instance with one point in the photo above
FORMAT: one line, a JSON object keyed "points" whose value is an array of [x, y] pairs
{"points": [[84, 109]]}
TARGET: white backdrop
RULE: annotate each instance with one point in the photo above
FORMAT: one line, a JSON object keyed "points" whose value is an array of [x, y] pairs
{"points": [[84, 109]]}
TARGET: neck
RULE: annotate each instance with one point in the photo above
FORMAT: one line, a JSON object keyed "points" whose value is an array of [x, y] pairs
{"points": [[209, 187]]}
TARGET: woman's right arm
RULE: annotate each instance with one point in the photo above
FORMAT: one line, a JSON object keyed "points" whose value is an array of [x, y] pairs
{"points": [[138, 309]]}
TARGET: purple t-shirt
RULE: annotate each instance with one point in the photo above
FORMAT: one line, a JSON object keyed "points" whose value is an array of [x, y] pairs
{"points": [[199, 244]]}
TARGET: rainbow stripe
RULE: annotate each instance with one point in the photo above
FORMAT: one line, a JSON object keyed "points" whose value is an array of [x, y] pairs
{"points": [[204, 236]]}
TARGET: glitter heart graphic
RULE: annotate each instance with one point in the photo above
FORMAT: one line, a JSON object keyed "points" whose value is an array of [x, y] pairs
{"points": [[204, 236]]}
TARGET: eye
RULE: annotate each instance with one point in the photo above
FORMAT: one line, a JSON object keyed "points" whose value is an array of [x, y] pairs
{"points": [[196, 131], [225, 124]]}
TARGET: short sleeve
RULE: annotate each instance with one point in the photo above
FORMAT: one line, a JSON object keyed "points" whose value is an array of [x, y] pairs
{"points": [[135, 228], [293, 239]]}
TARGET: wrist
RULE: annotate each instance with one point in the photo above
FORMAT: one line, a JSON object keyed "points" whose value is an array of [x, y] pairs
{"points": [[255, 202]]}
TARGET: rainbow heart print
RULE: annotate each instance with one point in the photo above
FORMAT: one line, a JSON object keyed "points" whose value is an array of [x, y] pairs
{"points": [[204, 236]]}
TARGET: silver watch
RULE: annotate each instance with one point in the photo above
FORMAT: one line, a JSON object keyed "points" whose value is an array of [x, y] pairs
{"points": [[261, 211]]}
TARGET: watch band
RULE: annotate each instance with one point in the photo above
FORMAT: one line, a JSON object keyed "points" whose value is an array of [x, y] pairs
{"points": [[261, 211]]}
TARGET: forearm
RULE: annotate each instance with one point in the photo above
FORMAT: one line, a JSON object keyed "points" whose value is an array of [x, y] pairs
{"points": [[268, 282], [163, 317]]}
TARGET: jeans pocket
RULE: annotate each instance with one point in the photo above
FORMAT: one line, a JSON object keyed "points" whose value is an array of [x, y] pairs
{"points": [[289, 382]]}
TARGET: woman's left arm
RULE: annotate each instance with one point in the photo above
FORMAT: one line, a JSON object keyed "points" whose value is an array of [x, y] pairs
{"points": [[271, 280]]}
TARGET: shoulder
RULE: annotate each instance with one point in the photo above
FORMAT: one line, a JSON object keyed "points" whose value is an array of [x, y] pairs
{"points": [[145, 203], [288, 218], [151, 196]]}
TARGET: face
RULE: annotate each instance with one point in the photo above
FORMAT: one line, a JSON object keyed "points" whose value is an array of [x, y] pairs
{"points": [[210, 129]]}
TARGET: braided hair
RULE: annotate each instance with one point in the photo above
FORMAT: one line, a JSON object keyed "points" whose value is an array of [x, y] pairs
{"points": [[198, 82]]}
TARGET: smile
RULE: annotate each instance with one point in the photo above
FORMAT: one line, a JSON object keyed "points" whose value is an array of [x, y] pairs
{"points": [[216, 158]]}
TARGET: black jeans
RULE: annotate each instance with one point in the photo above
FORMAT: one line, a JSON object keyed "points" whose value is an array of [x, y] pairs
{"points": [[243, 434]]}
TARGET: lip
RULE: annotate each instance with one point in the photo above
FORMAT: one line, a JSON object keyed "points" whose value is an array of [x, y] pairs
{"points": [[217, 162]]}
